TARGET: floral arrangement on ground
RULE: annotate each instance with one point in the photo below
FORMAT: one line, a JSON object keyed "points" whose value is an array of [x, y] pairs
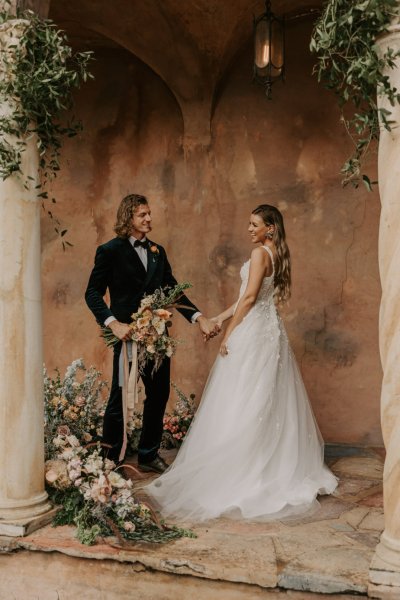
{"points": [[89, 489], [176, 424]]}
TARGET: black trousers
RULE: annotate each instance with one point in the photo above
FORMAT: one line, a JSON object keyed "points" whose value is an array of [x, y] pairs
{"points": [[157, 388]]}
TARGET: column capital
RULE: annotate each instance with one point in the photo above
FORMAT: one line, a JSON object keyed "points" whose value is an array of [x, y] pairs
{"points": [[10, 33], [10, 28], [40, 7]]}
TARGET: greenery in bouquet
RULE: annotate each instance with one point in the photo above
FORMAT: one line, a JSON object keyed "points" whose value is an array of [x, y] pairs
{"points": [[89, 489], [150, 324]]}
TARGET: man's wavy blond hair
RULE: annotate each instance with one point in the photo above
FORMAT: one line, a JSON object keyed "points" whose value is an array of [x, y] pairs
{"points": [[123, 224]]}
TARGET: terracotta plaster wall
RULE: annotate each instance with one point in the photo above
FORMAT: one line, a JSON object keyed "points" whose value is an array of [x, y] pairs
{"points": [[287, 152]]}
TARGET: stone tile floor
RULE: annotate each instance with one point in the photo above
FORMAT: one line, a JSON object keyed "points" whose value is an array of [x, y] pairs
{"points": [[328, 552]]}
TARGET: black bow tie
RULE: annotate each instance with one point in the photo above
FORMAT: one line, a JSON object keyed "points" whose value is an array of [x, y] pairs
{"points": [[141, 244]]}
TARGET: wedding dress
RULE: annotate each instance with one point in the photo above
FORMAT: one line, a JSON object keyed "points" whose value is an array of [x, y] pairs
{"points": [[254, 450]]}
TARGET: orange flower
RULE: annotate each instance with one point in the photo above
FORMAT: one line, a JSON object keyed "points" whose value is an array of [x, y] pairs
{"points": [[143, 310], [143, 322], [154, 249], [163, 314]]}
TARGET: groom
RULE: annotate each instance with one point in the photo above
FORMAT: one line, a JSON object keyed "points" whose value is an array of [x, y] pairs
{"points": [[131, 266]]}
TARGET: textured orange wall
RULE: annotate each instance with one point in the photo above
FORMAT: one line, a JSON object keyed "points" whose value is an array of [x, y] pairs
{"points": [[287, 152]]}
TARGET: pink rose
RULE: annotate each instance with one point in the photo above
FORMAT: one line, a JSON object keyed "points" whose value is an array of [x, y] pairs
{"points": [[63, 430]]}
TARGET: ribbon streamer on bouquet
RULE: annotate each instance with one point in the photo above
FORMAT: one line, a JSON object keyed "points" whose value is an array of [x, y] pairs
{"points": [[128, 381]]}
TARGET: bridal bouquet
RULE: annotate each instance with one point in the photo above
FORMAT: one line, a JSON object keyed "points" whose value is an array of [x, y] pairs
{"points": [[149, 326]]}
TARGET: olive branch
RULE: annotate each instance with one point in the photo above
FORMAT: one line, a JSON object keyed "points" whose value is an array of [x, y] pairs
{"points": [[38, 74], [350, 64]]}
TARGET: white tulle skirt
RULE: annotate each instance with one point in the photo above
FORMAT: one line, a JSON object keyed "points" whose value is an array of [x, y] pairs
{"points": [[254, 450]]}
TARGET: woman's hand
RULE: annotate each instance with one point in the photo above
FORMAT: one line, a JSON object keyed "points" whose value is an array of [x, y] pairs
{"points": [[207, 327], [223, 349], [218, 321]]}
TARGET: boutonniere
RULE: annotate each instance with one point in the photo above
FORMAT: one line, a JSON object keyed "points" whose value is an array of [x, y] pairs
{"points": [[154, 249]]}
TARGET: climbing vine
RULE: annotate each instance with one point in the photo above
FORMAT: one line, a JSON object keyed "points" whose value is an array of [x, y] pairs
{"points": [[38, 74], [350, 64]]}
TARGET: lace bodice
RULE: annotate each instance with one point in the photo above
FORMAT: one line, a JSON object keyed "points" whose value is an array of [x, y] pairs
{"points": [[264, 313], [266, 293]]}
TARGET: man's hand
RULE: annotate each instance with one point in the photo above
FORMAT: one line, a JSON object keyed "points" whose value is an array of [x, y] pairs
{"points": [[208, 328], [121, 330]]}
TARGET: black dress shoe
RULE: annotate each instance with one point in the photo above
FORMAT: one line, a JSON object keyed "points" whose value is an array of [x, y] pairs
{"points": [[157, 465]]}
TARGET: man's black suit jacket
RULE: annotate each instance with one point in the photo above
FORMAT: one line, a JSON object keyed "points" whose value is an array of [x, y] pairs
{"points": [[118, 267]]}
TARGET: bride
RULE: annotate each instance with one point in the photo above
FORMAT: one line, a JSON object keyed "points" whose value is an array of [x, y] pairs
{"points": [[254, 450]]}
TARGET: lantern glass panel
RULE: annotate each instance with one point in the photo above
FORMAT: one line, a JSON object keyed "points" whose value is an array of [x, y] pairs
{"points": [[262, 45], [276, 48]]}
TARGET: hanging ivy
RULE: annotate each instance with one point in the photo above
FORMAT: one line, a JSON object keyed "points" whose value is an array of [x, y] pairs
{"points": [[350, 64], [38, 76]]}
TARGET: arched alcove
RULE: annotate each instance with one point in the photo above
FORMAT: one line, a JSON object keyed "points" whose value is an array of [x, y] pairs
{"points": [[288, 152], [131, 141]]}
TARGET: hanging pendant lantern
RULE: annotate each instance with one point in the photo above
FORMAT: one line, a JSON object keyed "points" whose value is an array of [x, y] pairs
{"points": [[269, 49]]}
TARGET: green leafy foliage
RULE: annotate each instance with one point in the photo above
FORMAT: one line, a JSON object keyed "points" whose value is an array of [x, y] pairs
{"points": [[350, 64], [94, 521], [40, 73], [70, 502]]}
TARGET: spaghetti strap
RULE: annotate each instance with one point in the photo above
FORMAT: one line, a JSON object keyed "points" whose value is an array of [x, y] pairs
{"points": [[272, 257]]}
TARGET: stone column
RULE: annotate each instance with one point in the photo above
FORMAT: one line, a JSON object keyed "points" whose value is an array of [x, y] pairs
{"points": [[385, 567], [23, 500]]}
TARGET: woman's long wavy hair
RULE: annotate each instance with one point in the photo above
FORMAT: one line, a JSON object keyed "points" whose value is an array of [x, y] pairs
{"points": [[282, 280], [126, 209]]}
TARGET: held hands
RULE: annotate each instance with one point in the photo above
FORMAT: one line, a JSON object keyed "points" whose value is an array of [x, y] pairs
{"points": [[208, 327], [217, 321], [121, 330]]}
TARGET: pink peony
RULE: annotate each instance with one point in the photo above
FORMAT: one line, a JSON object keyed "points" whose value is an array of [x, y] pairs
{"points": [[63, 430]]}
